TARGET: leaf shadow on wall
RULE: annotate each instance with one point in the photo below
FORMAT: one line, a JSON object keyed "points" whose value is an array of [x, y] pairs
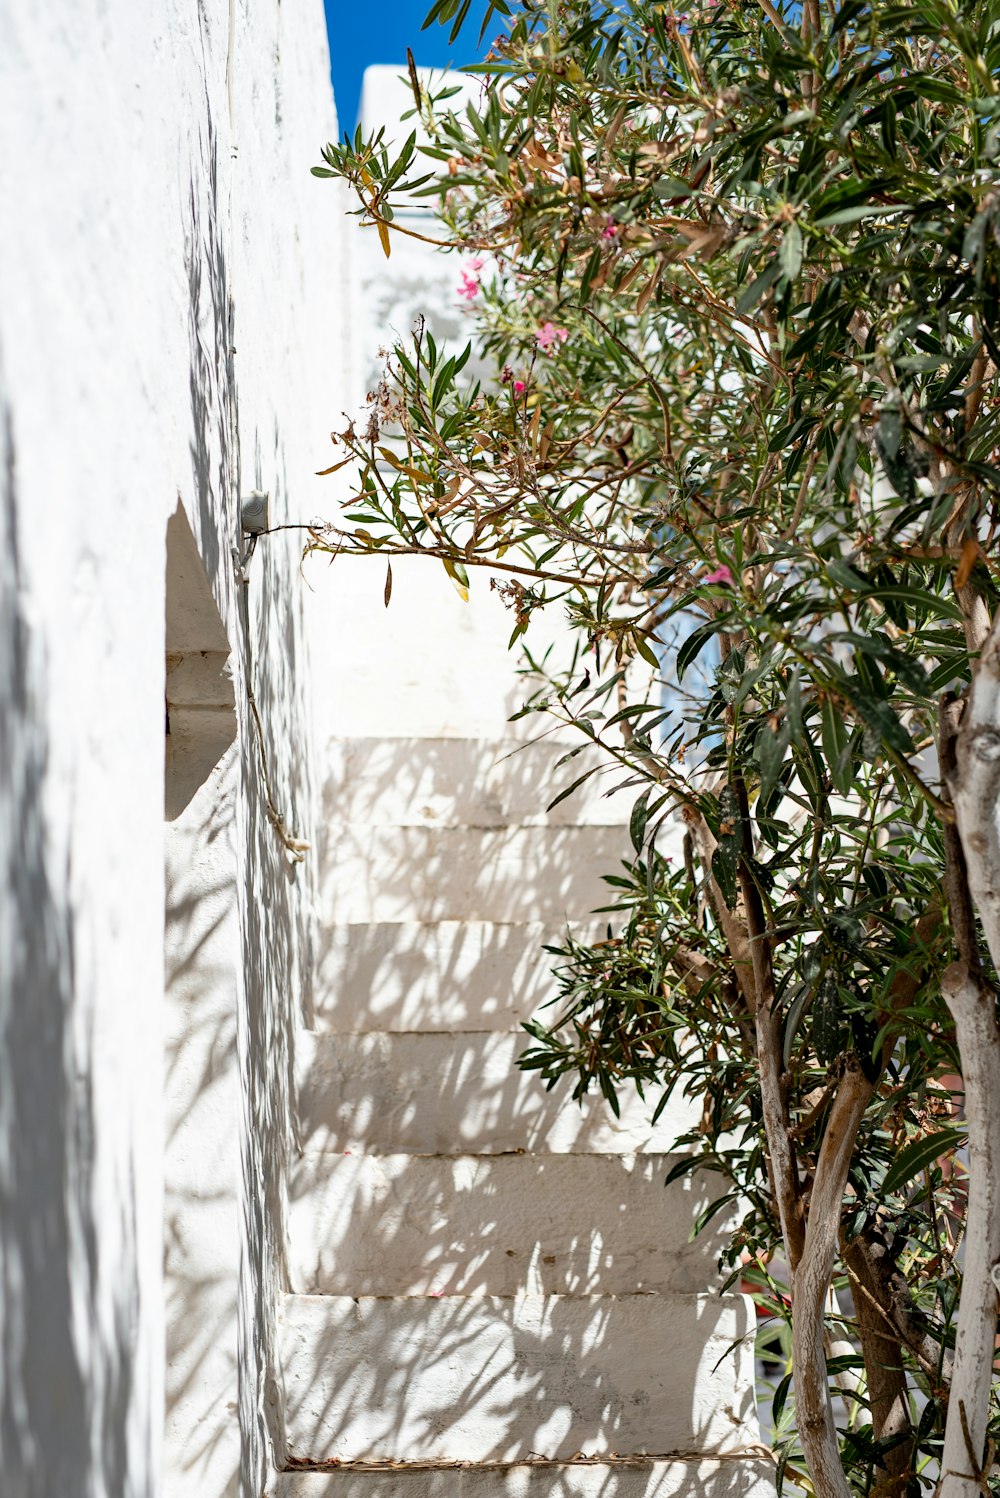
{"points": [[69, 1394]]}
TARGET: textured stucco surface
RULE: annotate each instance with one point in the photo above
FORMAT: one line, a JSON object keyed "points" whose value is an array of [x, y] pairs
{"points": [[168, 331], [487, 1378], [472, 1224], [428, 1093], [203, 1189], [743, 1477]]}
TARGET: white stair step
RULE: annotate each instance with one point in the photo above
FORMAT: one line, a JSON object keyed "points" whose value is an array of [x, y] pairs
{"points": [[430, 1094], [457, 873], [438, 975], [422, 782], [428, 664], [489, 1379], [735, 1477], [554, 1224]]}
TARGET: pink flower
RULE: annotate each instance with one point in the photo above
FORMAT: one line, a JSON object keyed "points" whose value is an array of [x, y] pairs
{"points": [[469, 287], [519, 387], [721, 574], [549, 337], [610, 230]]}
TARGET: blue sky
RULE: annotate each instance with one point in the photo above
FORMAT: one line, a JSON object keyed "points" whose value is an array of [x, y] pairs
{"points": [[380, 31]]}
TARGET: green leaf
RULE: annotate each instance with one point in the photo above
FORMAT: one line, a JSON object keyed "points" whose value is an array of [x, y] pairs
{"points": [[829, 1030], [864, 210], [796, 1010], [780, 1395], [570, 789], [916, 1156], [644, 649], [790, 253], [890, 431], [880, 717], [637, 822], [910, 672], [593, 266], [770, 750], [846, 577], [751, 295], [725, 876], [836, 747], [793, 705], [725, 859], [692, 647], [459, 576]]}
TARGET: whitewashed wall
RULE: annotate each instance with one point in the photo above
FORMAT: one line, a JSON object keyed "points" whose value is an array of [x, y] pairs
{"points": [[169, 286]]}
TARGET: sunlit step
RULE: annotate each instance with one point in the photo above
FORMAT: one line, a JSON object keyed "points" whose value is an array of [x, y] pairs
{"points": [[429, 664], [438, 975], [444, 1094], [481, 1378], [500, 1224], [446, 782], [735, 1477], [465, 874]]}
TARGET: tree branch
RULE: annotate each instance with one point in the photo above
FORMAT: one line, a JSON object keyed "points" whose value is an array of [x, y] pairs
{"points": [[811, 1285], [973, 1008], [975, 789], [883, 1285], [961, 911], [881, 1350]]}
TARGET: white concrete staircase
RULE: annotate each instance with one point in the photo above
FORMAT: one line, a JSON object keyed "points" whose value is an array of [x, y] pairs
{"points": [[492, 1294]]}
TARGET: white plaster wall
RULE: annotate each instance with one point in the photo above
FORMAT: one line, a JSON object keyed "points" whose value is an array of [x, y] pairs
{"points": [[202, 1157], [169, 281]]}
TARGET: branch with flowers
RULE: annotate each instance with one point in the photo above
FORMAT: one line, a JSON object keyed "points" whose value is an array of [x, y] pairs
{"points": [[737, 274]]}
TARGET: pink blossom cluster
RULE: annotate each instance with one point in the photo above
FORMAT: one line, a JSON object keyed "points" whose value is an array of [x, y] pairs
{"points": [[469, 284], [549, 337]]}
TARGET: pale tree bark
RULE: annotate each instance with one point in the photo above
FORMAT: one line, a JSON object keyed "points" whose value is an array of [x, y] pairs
{"points": [[810, 1243], [812, 1282], [975, 789], [973, 1008], [814, 1265]]}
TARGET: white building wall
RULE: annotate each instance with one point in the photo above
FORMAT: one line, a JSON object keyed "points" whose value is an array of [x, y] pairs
{"points": [[174, 330], [168, 331]]}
